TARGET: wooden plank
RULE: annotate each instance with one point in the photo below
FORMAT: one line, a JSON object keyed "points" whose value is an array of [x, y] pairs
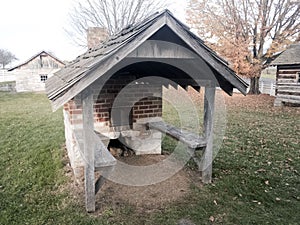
{"points": [[289, 87], [288, 100], [209, 105], [288, 71], [192, 140], [103, 157], [279, 91], [88, 145], [289, 84], [286, 81], [162, 49], [287, 76], [294, 97]]}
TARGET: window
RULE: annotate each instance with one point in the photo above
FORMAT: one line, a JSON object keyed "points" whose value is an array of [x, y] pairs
{"points": [[43, 77]]}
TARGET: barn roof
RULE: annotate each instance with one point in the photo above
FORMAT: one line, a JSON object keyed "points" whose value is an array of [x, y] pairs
{"points": [[33, 57], [290, 56], [79, 74]]}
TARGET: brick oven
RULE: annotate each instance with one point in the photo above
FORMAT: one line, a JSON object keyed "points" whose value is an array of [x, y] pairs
{"points": [[114, 91], [118, 115]]}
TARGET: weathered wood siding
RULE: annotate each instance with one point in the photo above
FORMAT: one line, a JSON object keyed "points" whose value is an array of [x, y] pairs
{"points": [[287, 84]]}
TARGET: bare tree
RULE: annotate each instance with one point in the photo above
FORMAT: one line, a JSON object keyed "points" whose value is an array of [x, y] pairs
{"points": [[114, 15], [6, 57], [247, 32]]}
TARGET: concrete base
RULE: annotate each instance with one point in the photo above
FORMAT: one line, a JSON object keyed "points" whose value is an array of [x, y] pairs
{"points": [[142, 143], [142, 140]]}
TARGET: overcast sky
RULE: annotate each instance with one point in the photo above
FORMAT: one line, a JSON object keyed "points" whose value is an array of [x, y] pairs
{"points": [[30, 26]]}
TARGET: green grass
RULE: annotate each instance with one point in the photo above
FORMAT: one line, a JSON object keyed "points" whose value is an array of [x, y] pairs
{"points": [[256, 173], [8, 82]]}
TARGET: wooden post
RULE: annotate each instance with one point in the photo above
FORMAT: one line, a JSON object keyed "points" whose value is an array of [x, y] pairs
{"points": [[209, 105], [89, 156]]}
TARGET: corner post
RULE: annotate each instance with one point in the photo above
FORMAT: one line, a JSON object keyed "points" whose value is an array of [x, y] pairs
{"points": [[89, 156], [207, 159]]}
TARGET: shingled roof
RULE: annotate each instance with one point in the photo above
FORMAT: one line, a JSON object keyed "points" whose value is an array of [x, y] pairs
{"points": [[290, 56], [79, 74]]}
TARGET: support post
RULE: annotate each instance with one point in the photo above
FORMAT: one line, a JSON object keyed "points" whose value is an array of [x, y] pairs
{"points": [[89, 156], [209, 105]]}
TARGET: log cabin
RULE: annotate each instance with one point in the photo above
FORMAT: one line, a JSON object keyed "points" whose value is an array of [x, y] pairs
{"points": [[288, 76]]}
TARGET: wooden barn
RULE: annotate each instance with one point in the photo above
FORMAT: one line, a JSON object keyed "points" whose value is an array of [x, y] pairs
{"points": [[288, 76], [114, 91], [32, 74]]}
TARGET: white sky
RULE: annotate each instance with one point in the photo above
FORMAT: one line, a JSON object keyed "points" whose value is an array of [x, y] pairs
{"points": [[30, 26]]}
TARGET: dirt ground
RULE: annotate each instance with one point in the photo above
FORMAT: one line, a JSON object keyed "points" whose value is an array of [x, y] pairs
{"points": [[157, 196], [144, 199]]}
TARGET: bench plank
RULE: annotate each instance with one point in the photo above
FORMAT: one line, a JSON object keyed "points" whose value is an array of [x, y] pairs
{"points": [[191, 139], [103, 157]]}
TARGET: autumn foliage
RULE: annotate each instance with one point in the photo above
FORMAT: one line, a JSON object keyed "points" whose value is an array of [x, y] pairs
{"points": [[248, 33]]}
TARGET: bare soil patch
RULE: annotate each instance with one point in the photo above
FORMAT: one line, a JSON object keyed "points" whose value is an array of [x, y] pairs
{"points": [[144, 199]]}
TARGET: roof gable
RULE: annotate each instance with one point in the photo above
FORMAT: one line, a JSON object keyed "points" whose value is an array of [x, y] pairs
{"points": [[78, 75], [34, 57], [290, 56]]}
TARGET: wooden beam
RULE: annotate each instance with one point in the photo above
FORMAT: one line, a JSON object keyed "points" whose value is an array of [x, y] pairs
{"points": [[162, 49], [88, 145], [209, 105]]}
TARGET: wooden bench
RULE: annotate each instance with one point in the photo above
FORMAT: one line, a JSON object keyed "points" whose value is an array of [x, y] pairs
{"points": [[192, 140]]}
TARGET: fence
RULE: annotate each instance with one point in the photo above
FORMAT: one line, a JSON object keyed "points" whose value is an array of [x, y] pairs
{"points": [[266, 86], [6, 76]]}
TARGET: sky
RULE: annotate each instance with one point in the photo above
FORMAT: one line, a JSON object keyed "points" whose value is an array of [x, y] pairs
{"points": [[30, 26]]}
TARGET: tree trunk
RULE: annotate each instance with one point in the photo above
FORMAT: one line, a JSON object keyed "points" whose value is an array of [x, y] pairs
{"points": [[254, 86]]}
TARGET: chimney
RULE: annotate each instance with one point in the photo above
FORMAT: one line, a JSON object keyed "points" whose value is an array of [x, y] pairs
{"points": [[95, 36]]}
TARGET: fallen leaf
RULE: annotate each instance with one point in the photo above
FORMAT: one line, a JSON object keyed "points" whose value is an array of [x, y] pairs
{"points": [[211, 219], [267, 182]]}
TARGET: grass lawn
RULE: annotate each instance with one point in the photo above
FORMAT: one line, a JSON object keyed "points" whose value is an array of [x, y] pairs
{"points": [[256, 173]]}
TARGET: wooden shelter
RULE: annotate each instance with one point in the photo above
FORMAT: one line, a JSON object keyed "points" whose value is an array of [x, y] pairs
{"points": [[159, 46], [288, 76]]}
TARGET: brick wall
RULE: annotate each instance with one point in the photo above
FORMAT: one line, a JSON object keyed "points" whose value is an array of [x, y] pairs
{"points": [[139, 100], [147, 108]]}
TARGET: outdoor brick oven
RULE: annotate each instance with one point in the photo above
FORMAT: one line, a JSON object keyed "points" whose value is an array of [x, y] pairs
{"points": [[125, 120], [114, 91]]}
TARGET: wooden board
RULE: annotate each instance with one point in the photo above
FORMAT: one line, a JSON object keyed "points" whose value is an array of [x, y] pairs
{"points": [[190, 139]]}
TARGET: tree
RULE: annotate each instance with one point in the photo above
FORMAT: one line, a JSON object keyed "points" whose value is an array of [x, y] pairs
{"points": [[114, 15], [6, 57], [246, 32]]}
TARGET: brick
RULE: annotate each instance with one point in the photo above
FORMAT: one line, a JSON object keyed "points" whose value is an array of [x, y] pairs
{"points": [[153, 106], [138, 112], [149, 111], [144, 107]]}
